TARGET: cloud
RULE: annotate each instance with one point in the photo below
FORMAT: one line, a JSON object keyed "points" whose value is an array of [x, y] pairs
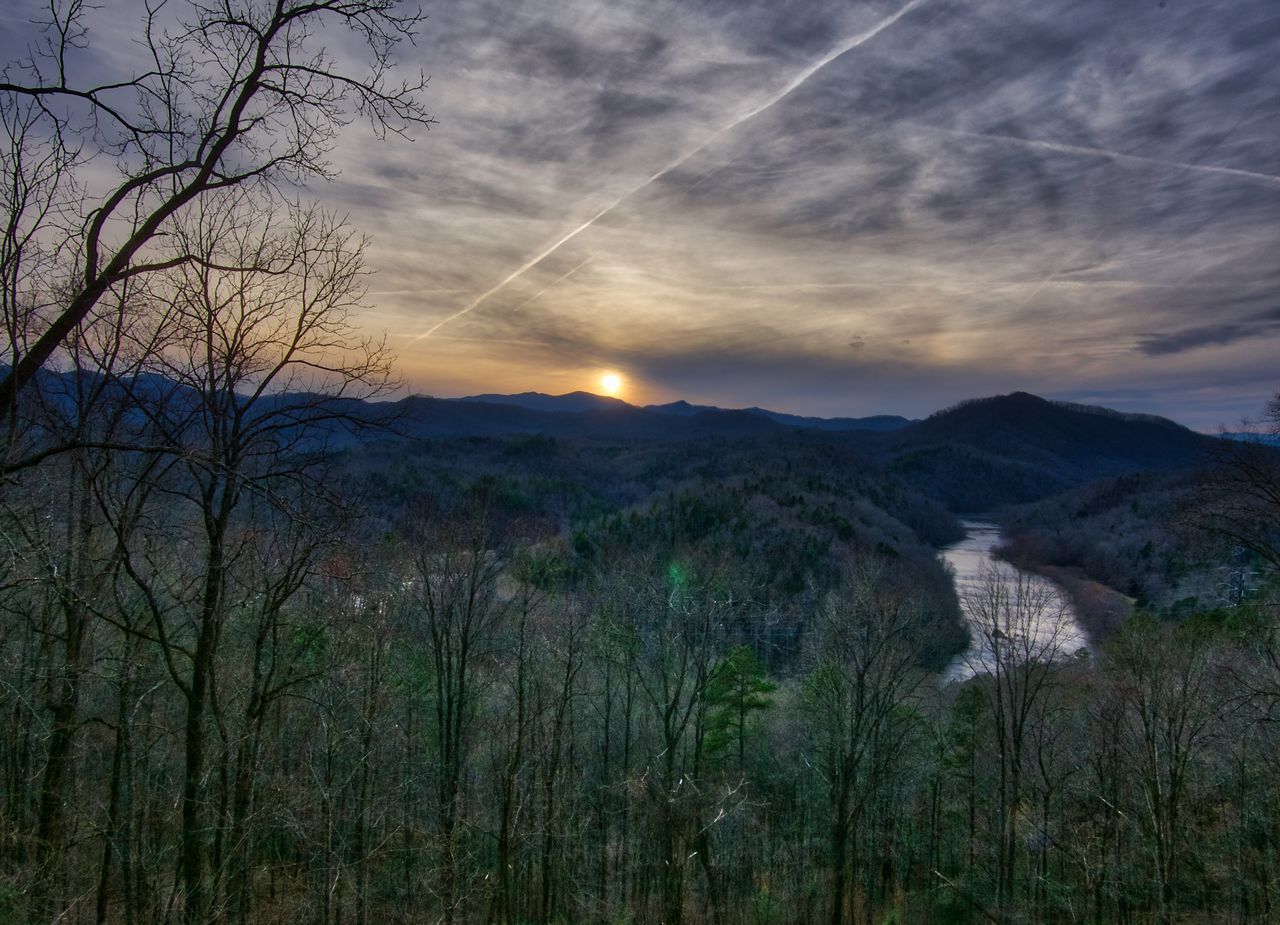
{"points": [[1210, 335]]}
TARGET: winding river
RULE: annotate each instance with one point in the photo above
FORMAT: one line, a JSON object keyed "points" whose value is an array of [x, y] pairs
{"points": [[1049, 622]]}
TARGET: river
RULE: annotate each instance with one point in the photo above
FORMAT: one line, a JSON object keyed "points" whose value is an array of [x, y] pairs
{"points": [[1044, 623]]}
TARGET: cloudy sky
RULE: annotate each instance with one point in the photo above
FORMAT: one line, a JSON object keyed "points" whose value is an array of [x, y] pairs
{"points": [[837, 207]]}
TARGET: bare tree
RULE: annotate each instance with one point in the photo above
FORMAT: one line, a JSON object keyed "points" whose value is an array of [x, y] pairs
{"points": [[36, 186], [1167, 682], [66, 550], [256, 357], [865, 645], [676, 620], [455, 616], [229, 93], [1022, 627], [1240, 494]]}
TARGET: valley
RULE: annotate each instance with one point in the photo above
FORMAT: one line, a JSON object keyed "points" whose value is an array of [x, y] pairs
{"points": [[561, 658]]}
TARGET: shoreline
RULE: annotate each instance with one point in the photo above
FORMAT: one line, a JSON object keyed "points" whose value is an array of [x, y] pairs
{"points": [[1100, 608]]}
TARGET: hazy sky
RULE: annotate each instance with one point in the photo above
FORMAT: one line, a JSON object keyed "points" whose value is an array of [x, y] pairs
{"points": [[837, 207]]}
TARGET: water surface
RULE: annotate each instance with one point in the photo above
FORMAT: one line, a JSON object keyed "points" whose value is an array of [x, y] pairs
{"points": [[1043, 623]]}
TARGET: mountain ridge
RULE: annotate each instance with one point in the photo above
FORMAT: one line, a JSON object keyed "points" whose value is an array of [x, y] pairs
{"points": [[984, 453], [580, 401], [978, 455]]}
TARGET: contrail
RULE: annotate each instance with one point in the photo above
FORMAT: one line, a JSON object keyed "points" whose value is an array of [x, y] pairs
{"points": [[555, 282], [1052, 278], [1103, 152], [790, 87], [933, 284]]}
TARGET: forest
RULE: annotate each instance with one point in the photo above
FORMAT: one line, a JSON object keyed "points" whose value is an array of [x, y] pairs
{"points": [[271, 656], [519, 680]]}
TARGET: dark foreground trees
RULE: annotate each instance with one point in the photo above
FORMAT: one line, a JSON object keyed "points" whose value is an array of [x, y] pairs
{"points": [[196, 523], [859, 703], [176, 352], [447, 721]]}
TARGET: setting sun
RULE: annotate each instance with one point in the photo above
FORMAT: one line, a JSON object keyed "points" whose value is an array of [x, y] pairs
{"points": [[611, 383]]}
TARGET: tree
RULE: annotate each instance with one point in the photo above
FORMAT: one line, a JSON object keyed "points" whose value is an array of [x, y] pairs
{"points": [[676, 622], [866, 646], [455, 615], [256, 358], [1240, 491], [1167, 684], [230, 94], [35, 183], [1022, 627], [738, 688]]}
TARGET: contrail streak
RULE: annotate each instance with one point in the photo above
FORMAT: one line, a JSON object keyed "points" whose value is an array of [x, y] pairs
{"points": [[790, 87], [547, 288], [935, 284], [1103, 152], [1121, 157]]}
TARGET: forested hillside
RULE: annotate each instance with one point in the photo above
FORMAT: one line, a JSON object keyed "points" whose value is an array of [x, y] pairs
{"points": [[256, 674], [1139, 535], [1011, 449], [781, 515], [531, 678]]}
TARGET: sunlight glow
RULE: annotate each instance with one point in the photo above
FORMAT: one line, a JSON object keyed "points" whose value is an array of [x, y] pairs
{"points": [[611, 383]]}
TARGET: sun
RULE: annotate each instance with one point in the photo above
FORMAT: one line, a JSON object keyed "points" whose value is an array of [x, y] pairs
{"points": [[611, 383]]}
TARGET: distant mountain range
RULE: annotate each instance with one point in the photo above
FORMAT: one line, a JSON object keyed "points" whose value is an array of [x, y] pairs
{"points": [[975, 456], [575, 402]]}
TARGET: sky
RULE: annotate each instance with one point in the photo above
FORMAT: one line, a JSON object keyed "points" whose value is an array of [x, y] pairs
{"points": [[835, 208]]}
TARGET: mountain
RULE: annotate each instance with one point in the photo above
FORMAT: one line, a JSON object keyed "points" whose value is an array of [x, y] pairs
{"points": [[880, 422], [679, 408], [573, 414], [420, 416], [979, 455], [1008, 449], [1245, 436], [573, 402], [570, 402]]}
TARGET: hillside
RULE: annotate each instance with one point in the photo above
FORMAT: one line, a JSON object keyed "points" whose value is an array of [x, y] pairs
{"points": [[979, 455], [877, 422], [1134, 534], [1012, 449], [780, 515]]}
